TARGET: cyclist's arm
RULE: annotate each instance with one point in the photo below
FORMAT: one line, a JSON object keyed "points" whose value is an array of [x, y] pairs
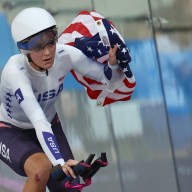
{"points": [[22, 89]]}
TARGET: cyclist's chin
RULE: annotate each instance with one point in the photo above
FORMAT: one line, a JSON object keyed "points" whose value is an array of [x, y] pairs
{"points": [[48, 64]]}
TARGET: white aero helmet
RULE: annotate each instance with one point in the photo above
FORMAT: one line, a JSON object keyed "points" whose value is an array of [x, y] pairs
{"points": [[29, 22]]}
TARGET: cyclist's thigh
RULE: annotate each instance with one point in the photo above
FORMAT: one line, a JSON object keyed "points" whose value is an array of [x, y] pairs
{"points": [[16, 145]]}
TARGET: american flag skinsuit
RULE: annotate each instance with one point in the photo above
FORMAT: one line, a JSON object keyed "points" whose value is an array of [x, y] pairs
{"points": [[93, 35]]}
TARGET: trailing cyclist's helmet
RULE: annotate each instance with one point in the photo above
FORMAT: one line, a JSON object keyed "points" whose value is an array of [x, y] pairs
{"points": [[29, 22]]}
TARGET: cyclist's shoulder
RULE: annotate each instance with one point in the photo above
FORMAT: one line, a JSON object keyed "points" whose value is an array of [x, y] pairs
{"points": [[15, 61], [14, 65], [63, 50]]}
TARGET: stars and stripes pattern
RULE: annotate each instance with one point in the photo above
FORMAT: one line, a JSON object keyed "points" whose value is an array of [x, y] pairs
{"points": [[83, 34]]}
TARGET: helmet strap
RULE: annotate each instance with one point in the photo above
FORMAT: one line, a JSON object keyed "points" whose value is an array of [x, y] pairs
{"points": [[30, 60], [40, 68]]}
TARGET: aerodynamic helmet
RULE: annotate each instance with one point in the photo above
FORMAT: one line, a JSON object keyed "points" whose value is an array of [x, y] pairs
{"points": [[31, 21]]}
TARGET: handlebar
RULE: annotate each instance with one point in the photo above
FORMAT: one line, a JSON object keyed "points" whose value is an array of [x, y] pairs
{"points": [[85, 169]]}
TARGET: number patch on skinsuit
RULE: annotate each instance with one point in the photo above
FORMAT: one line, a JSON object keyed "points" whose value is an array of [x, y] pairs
{"points": [[19, 95]]}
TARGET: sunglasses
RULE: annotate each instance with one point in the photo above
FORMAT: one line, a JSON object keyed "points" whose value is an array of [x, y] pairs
{"points": [[39, 41]]}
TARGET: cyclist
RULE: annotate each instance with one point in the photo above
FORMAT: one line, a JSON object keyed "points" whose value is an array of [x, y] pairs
{"points": [[31, 136]]}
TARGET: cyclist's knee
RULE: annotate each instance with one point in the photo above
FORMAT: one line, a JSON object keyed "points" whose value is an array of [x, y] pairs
{"points": [[37, 167]]}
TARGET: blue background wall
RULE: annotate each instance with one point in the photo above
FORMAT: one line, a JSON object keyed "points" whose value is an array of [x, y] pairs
{"points": [[7, 47]]}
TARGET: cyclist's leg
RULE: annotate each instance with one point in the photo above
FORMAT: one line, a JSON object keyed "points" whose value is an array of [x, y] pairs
{"points": [[37, 168], [66, 153], [21, 153]]}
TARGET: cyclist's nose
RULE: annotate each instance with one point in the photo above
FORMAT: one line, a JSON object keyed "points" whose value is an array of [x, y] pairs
{"points": [[47, 49]]}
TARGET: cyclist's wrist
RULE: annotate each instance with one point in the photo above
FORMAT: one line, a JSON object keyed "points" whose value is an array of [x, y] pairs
{"points": [[59, 161]]}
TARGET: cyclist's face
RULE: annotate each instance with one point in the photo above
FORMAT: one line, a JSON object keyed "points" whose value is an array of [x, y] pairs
{"points": [[41, 48], [44, 58]]}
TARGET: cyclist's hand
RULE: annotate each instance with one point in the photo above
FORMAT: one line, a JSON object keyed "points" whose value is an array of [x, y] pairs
{"points": [[112, 55], [67, 167]]}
